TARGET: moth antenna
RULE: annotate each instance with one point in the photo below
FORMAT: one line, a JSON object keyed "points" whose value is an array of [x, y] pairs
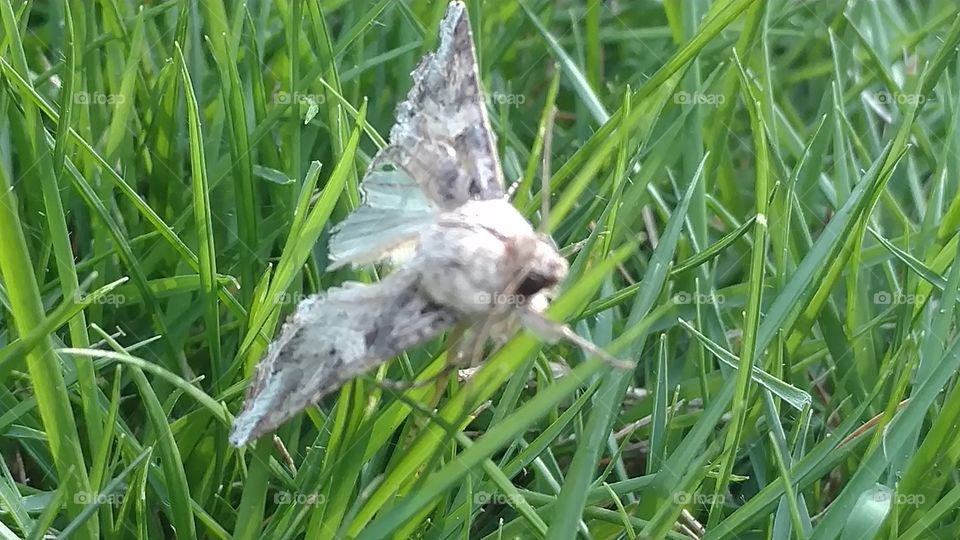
{"points": [[554, 331], [545, 168]]}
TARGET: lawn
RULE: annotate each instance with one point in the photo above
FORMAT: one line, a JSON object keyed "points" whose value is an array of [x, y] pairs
{"points": [[759, 201]]}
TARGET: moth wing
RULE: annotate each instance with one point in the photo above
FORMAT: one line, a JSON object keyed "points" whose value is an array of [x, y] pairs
{"points": [[441, 154], [442, 130], [393, 213], [331, 338]]}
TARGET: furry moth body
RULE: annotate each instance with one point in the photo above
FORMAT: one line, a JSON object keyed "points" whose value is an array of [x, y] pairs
{"points": [[438, 189]]}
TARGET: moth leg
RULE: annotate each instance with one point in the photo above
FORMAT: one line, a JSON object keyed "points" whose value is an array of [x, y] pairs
{"points": [[401, 386], [470, 348], [553, 331], [496, 327], [454, 353]]}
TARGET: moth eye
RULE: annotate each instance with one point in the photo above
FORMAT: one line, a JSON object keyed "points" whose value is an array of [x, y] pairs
{"points": [[532, 284]]}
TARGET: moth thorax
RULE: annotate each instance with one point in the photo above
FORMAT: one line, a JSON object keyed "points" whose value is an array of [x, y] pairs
{"points": [[484, 257]]}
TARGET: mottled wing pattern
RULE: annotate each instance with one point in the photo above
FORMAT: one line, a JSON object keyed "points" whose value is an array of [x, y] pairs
{"points": [[442, 126], [332, 338], [441, 153]]}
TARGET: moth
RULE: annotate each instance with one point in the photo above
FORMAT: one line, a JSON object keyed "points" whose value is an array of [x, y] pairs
{"points": [[434, 203]]}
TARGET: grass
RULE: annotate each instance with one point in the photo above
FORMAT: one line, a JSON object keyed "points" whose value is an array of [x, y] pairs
{"points": [[760, 201]]}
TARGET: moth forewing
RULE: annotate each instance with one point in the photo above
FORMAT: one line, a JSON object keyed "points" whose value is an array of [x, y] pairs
{"points": [[333, 337], [442, 152], [443, 122]]}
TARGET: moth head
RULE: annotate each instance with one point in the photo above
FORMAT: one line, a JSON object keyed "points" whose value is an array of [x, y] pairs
{"points": [[543, 269]]}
